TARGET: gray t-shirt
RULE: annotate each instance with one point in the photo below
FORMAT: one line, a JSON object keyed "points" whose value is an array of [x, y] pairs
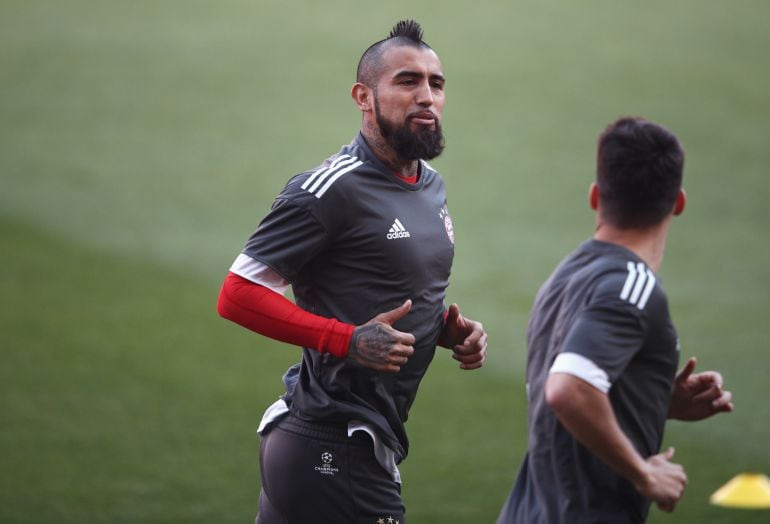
{"points": [[603, 304], [355, 240]]}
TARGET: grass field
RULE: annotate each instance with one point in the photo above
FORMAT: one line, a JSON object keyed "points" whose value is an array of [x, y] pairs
{"points": [[141, 141]]}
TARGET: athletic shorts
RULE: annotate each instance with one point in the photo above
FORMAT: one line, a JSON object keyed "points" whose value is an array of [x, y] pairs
{"points": [[313, 473]]}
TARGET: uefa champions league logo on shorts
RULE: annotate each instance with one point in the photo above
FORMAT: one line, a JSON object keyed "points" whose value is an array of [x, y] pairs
{"points": [[387, 520], [326, 468]]}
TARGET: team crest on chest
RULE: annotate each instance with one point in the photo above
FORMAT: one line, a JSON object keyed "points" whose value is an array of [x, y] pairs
{"points": [[450, 230]]}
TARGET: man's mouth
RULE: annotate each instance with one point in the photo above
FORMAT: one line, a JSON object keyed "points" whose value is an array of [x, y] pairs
{"points": [[424, 118]]}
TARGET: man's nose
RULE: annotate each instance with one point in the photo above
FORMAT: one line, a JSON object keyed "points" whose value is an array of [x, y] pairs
{"points": [[424, 95]]}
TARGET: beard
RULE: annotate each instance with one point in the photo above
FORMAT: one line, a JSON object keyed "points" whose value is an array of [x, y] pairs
{"points": [[425, 143]]}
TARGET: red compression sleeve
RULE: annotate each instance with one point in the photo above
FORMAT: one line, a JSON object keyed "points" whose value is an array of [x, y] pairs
{"points": [[271, 314]]}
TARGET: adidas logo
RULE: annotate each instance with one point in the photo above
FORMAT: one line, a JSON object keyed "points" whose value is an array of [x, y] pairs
{"points": [[397, 230]]}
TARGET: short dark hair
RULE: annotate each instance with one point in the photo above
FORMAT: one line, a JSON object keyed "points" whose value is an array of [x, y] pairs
{"points": [[639, 167], [404, 33]]}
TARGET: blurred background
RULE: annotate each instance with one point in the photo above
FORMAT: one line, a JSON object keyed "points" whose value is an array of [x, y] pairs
{"points": [[141, 142]]}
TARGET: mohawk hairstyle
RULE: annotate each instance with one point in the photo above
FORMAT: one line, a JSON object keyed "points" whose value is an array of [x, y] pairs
{"points": [[408, 29], [404, 33]]}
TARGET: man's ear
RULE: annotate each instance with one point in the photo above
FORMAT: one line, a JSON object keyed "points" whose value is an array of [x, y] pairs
{"points": [[681, 202], [593, 196], [362, 96]]}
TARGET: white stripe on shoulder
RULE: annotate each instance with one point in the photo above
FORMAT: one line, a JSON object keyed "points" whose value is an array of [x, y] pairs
{"points": [[641, 277], [259, 273], [321, 180], [629, 281], [341, 162], [639, 285], [582, 368], [323, 170], [647, 290], [336, 176]]}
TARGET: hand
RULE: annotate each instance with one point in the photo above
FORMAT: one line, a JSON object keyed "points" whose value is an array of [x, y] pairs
{"points": [[698, 396], [664, 481], [378, 346], [466, 338]]}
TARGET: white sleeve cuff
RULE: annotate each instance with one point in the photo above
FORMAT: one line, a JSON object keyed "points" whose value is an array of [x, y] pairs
{"points": [[257, 272], [582, 368]]}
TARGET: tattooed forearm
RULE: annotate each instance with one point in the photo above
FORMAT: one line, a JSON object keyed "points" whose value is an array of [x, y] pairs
{"points": [[370, 343]]}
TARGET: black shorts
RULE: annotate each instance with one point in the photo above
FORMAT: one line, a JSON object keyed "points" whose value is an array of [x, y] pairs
{"points": [[314, 473]]}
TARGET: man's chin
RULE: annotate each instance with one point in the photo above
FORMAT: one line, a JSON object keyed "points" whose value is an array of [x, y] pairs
{"points": [[420, 138]]}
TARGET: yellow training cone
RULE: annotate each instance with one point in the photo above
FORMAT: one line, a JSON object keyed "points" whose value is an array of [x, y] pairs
{"points": [[747, 490]]}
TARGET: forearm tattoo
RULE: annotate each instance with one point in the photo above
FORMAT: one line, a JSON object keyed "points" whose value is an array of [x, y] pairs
{"points": [[371, 343]]}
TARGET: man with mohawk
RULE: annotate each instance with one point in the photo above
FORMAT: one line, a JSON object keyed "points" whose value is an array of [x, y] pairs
{"points": [[366, 242]]}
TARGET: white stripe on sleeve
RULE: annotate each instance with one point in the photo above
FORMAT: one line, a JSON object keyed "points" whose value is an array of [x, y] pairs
{"points": [[647, 290], [334, 178], [257, 272], [640, 280], [323, 172], [582, 368], [629, 281]]}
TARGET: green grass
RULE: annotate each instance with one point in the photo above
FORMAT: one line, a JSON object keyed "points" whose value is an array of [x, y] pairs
{"points": [[141, 141]]}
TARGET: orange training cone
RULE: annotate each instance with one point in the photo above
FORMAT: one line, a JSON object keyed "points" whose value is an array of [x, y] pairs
{"points": [[747, 490]]}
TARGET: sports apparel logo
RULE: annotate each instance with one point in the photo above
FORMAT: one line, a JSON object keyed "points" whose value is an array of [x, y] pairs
{"points": [[639, 284], [326, 468], [397, 230]]}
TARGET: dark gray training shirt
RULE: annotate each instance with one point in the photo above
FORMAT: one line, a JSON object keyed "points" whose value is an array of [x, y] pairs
{"points": [[354, 240], [605, 305]]}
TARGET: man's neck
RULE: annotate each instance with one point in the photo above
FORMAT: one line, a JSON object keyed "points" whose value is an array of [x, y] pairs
{"points": [[383, 151], [647, 243]]}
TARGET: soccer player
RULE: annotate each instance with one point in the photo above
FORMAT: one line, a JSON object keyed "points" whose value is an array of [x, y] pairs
{"points": [[366, 242], [603, 352]]}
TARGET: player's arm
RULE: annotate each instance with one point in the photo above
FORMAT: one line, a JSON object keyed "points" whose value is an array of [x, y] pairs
{"points": [[264, 311], [261, 309], [294, 231], [585, 411], [465, 337]]}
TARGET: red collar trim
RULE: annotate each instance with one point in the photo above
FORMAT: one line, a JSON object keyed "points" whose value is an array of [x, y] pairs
{"points": [[408, 179]]}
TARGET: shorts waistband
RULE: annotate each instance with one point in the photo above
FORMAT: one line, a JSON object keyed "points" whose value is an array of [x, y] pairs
{"points": [[317, 430]]}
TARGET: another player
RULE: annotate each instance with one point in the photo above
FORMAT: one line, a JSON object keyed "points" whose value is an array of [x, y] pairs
{"points": [[603, 352], [366, 242]]}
